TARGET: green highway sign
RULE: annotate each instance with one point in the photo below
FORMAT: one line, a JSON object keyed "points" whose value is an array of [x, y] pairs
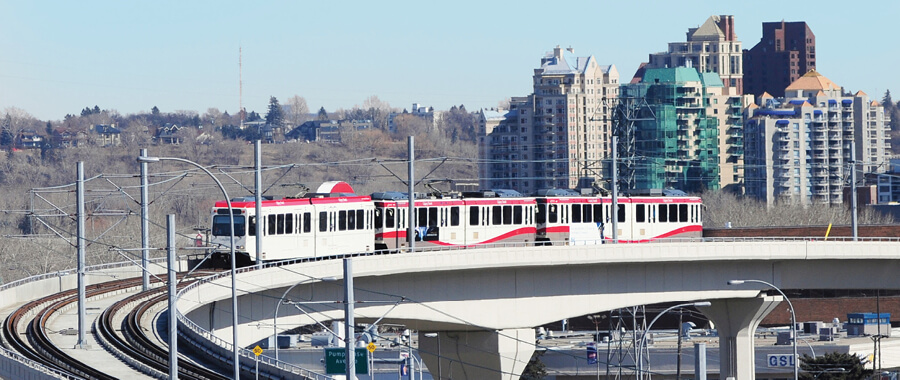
{"points": [[336, 365]]}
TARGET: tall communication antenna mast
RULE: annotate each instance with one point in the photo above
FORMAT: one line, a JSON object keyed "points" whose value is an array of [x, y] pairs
{"points": [[241, 85]]}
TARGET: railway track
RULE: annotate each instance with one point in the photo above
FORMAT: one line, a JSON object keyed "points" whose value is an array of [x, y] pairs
{"points": [[132, 343], [25, 331]]}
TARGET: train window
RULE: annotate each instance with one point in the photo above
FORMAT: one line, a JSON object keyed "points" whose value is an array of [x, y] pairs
{"points": [[307, 222], [378, 218], [576, 213], [473, 215], [271, 227], [541, 214], [621, 214], [673, 213], [553, 213], [507, 215], [251, 228], [496, 215], [598, 213], [389, 218], [683, 213], [588, 217], [454, 216], [351, 220], [279, 225], [432, 217], [342, 220], [663, 213], [517, 215], [222, 225], [323, 221], [640, 214], [422, 219], [360, 220]]}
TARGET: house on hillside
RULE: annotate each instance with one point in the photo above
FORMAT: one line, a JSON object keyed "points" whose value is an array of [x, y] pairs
{"points": [[29, 139], [108, 135], [65, 137], [168, 134], [327, 130]]}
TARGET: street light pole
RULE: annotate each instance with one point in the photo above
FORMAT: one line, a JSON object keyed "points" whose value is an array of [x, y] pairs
{"points": [[643, 343], [234, 304], [281, 302], [793, 319]]}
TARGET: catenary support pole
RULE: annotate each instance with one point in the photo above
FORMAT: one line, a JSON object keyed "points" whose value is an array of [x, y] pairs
{"points": [[853, 197], [79, 200], [173, 320], [145, 225], [349, 333], [614, 209], [258, 177], [411, 231]]}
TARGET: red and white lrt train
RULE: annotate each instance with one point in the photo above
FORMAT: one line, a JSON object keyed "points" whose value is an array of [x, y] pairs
{"points": [[334, 220]]}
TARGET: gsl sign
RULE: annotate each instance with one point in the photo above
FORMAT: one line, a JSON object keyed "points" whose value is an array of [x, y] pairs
{"points": [[780, 360]]}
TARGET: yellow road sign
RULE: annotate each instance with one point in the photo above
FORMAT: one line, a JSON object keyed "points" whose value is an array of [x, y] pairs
{"points": [[257, 351], [371, 347]]}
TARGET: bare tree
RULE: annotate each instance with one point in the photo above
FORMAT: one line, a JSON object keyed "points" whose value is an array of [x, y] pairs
{"points": [[297, 110]]}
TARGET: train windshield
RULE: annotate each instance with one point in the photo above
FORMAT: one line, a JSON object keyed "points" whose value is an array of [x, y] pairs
{"points": [[220, 225]]}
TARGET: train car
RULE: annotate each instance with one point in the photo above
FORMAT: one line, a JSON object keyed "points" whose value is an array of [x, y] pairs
{"points": [[473, 219], [332, 220], [568, 218]]}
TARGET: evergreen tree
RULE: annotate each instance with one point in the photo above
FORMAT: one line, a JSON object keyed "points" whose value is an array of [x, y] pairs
{"points": [[275, 115], [322, 115], [6, 136], [154, 111], [535, 369], [887, 102], [833, 366]]}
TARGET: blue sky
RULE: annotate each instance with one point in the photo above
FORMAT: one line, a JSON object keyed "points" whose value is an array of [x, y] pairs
{"points": [[61, 56]]}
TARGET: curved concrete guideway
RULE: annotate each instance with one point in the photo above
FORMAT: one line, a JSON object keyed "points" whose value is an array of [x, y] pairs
{"points": [[489, 291]]}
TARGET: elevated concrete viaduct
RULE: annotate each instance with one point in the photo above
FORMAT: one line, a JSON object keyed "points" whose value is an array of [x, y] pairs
{"points": [[484, 303]]}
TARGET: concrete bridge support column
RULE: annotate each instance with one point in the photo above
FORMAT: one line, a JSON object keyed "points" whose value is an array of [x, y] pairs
{"points": [[477, 355], [736, 321]]}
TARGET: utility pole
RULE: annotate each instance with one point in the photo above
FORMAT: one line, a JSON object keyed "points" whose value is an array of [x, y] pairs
{"points": [[79, 200], [350, 339], [173, 320], [145, 226], [853, 198], [259, 222], [411, 231]]}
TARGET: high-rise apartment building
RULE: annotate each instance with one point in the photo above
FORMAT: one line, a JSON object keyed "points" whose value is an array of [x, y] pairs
{"points": [[798, 148], [711, 48], [676, 138], [558, 134], [786, 51]]}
